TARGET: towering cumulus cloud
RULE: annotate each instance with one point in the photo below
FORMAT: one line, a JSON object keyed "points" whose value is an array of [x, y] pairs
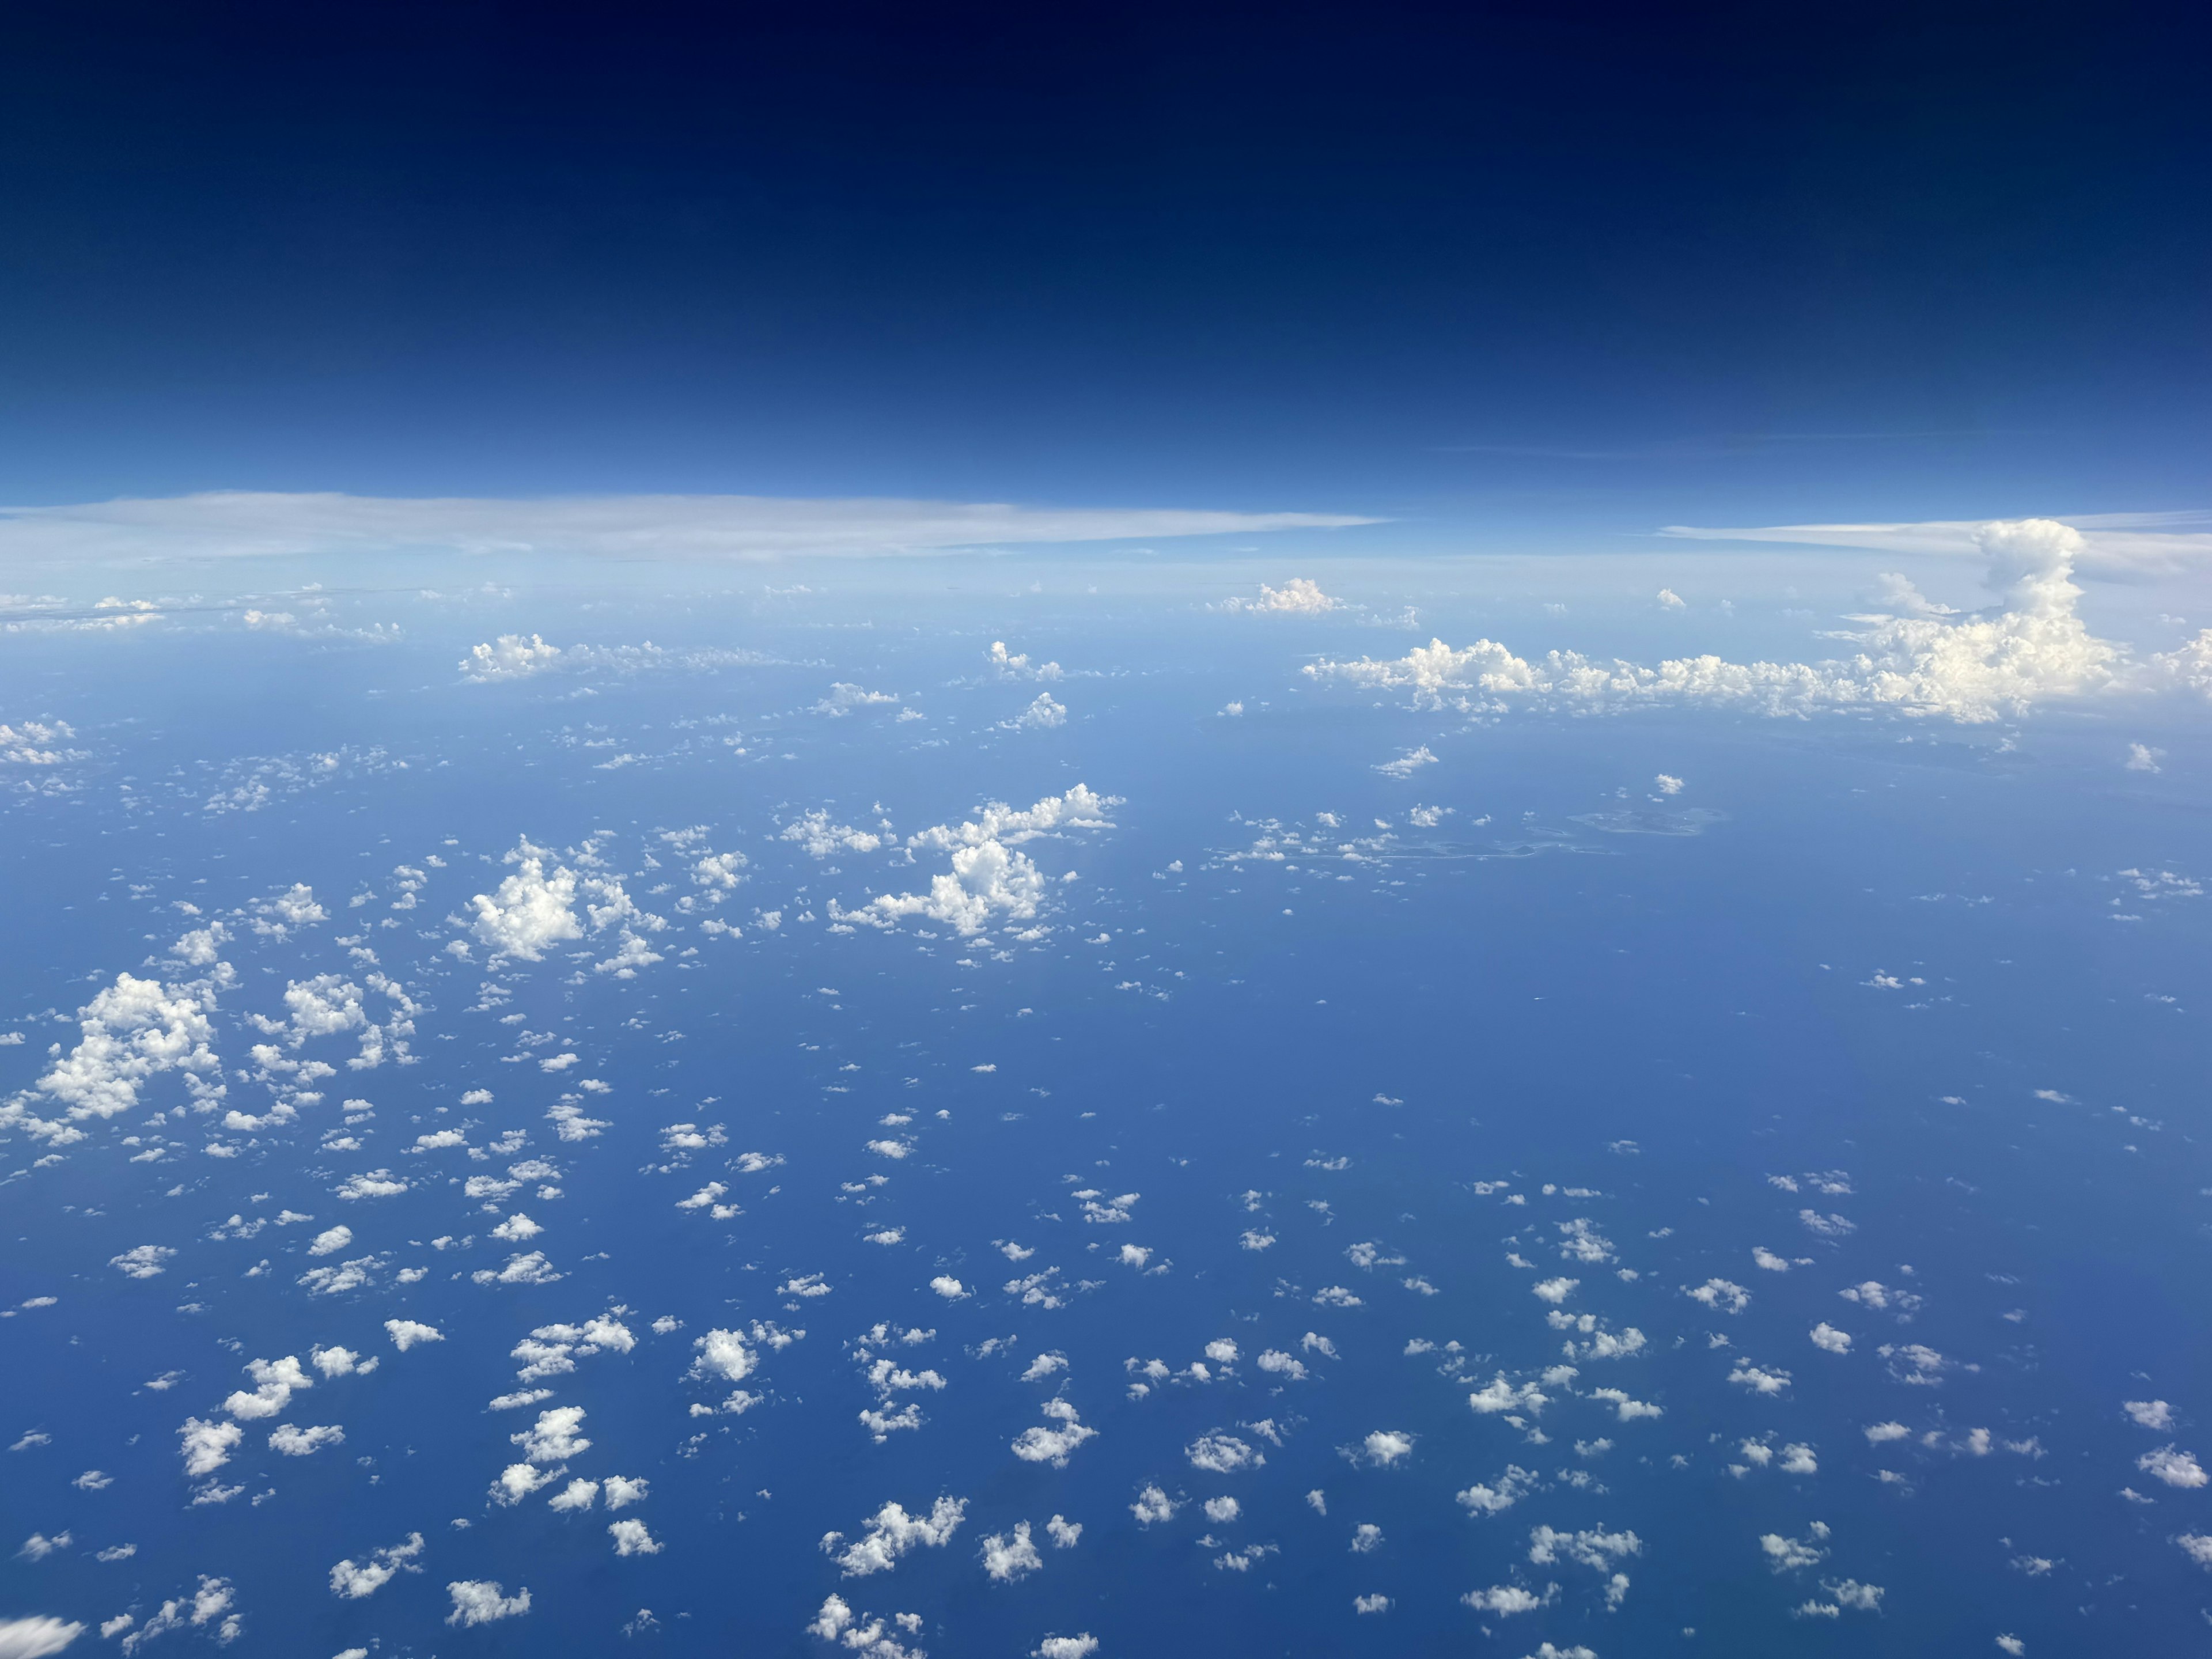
{"points": [[2031, 648]]}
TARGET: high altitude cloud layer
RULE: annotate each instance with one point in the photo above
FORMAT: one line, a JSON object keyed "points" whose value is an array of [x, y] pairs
{"points": [[226, 524]]}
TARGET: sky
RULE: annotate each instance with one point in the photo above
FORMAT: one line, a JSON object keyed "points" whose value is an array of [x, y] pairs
{"points": [[1508, 279], [822, 828]]}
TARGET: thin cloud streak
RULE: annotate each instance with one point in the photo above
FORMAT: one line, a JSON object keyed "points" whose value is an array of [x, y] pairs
{"points": [[2114, 544], [233, 524]]}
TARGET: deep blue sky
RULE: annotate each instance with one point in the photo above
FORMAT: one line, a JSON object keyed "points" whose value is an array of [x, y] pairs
{"points": [[1588, 266]]}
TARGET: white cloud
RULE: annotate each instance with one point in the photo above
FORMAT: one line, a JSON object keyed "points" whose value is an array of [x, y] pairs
{"points": [[1041, 1444], [1407, 763], [1506, 1599], [2143, 758], [892, 1532], [332, 1242], [305, 1442], [207, 1446], [2032, 649], [1595, 1548], [1300, 596], [2197, 1546], [554, 1438], [2109, 544], [133, 1030], [822, 839], [1827, 1338], [949, 1287], [374, 1183], [2174, 1466], [1499, 1395], [988, 878], [1222, 1454], [1785, 1554], [1494, 1497], [2148, 1413], [36, 1637], [1721, 1294], [141, 1261], [1759, 1379], [1081, 1645], [533, 910], [483, 1600], [531, 1268], [1007, 1556], [1384, 1448], [1555, 1290], [229, 523], [1042, 715], [351, 1580], [1018, 666], [1153, 1505], [406, 1333], [632, 1538]]}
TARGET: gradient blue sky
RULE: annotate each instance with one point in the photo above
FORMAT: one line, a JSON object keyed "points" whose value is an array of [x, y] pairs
{"points": [[1549, 273]]}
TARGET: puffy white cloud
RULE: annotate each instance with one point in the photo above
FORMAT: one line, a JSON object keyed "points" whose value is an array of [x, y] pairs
{"points": [[1759, 1379], [1828, 1339], [209, 1604], [533, 910], [374, 1183], [2174, 1466], [949, 1287], [1721, 1294], [141, 1261], [724, 1355], [1494, 1497], [1222, 1454], [1595, 1548], [2197, 1546], [330, 1243], [305, 1442], [2032, 649], [1040, 1443], [531, 1268], [1301, 596], [1007, 1556], [554, 1438], [352, 1580], [406, 1333], [987, 878], [1153, 1505], [1499, 1395], [632, 1538], [1507, 1599], [1786, 1554], [1018, 666], [1627, 1409], [483, 1600], [622, 1491], [1384, 1448], [1555, 1290], [517, 1480], [2148, 1413], [822, 839], [133, 1030], [1042, 715], [1081, 1645], [892, 1532], [274, 1381], [207, 1446]]}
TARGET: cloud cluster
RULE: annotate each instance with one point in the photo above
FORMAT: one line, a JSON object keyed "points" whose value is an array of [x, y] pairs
{"points": [[535, 909], [132, 1031], [2031, 650], [989, 877]]}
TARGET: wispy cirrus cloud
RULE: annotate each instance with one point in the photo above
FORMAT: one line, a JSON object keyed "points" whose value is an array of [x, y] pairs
{"points": [[229, 524], [2114, 544]]}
